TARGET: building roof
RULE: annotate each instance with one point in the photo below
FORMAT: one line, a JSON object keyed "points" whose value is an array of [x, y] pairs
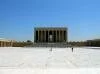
{"points": [[6, 40], [94, 40], [51, 28]]}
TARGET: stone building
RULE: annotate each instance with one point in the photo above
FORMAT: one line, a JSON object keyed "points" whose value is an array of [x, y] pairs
{"points": [[6, 43], [50, 34]]}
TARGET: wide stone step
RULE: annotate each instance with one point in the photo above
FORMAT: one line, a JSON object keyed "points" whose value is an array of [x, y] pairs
{"points": [[49, 45]]}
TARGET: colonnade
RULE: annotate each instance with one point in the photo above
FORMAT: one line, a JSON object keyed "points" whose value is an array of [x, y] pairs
{"points": [[6, 44], [44, 35]]}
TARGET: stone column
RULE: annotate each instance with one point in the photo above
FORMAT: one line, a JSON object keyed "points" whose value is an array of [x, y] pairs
{"points": [[11, 43], [44, 36], [34, 35], [56, 35], [8, 44], [59, 36], [53, 36], [48, 36], [38, 36], [41, 36], [64, 36], [4, 44], [0, 43], [67, 35]]}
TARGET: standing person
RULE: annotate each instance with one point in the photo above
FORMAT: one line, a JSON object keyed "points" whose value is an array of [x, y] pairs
{"points": [[72, 49], [51, 49]]}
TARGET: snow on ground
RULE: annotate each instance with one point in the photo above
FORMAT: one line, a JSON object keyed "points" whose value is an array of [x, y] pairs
{"points": [[42, 60]]}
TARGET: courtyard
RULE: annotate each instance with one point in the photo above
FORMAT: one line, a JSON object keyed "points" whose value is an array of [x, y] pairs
{"points": [[40, 60]]}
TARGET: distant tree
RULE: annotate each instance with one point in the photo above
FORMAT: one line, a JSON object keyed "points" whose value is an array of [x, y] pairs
{"points": [[95, 42], [29, 41]]}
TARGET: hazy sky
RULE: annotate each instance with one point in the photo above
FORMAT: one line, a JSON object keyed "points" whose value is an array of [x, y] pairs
{"points": [[19, 17]]}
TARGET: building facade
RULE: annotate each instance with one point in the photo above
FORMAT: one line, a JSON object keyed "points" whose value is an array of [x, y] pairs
{"points": [[50, 34], [5, 43]]}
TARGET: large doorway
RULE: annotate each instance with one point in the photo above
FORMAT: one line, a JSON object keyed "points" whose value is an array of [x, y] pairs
{"points": [[50, 36]]}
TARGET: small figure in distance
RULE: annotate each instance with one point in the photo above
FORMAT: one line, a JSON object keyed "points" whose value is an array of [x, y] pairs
{"points": [[51, 49], [72, 49]]}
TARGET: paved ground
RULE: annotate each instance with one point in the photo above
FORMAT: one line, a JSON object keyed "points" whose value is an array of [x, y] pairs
{"points": [[42, 60]]}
